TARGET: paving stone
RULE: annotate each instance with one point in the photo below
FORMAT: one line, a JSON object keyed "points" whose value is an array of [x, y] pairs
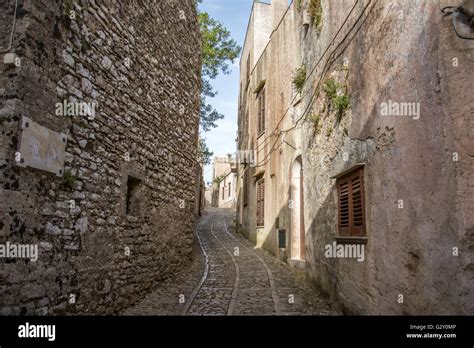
{"points": [[233, 285]]}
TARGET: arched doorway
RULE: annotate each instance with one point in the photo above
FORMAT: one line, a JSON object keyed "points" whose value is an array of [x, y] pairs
{"points": [[297, 209]]}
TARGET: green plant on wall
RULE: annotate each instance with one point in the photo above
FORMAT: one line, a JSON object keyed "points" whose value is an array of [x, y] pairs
{"points": [[218, 180], [316, 119], [330, 88], [339, 102], [68, 181], [299, 78], [298, 4], [316, 12]]}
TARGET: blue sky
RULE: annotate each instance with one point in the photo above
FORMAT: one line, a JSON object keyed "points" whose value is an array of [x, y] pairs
{"points": [[234, 14]]}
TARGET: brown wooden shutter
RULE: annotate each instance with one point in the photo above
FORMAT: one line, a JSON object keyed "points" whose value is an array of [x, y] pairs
{"points": [[357, 204], [246, 186], [351, 204], [263, 111], [248, 71], [344, 207], [246, 127], [259, 119], [260, 203]]}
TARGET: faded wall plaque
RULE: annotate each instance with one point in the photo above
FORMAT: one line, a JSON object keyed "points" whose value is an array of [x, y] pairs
{"points": [[41, 148]]}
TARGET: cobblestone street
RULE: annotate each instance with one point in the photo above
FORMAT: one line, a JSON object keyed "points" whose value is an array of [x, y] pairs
{"points": [[230, 277]]}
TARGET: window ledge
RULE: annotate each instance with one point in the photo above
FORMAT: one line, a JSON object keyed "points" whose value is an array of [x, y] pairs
{"points": [[348, 170], [350, 240]]}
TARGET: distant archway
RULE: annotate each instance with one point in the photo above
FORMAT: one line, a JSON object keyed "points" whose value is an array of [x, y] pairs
{"points": [[297, 210]]}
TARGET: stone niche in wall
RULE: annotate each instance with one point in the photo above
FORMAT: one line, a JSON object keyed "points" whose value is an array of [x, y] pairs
{"points": [[41, 148], [134, 190]]}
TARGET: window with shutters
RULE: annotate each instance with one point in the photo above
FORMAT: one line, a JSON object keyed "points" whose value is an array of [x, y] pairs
{"points": [[351, 200], [246, 124], [260, 203], [246, 186], [241, 94], [261, 112], [248, 71]]}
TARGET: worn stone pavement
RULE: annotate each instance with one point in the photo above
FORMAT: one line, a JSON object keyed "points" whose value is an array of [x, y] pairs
{"points": [[230, 277]]}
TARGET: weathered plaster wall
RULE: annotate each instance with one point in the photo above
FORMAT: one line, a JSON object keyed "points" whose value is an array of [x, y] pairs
{"points": [[220, 166], [273, 152], [282, 139], [139, 62], [258, 33], [402, 52]]}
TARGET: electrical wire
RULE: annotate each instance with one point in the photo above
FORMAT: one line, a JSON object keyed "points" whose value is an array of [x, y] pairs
{"points": [[13, 30], [309, 75], [326, 66], [330, 62]]}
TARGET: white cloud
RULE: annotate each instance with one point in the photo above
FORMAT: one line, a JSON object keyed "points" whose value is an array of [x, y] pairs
{"points": [[211, 5]]}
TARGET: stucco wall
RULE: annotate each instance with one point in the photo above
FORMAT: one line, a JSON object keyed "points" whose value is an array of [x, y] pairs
{"points": [[418, 254], [274, 151], [403, 52]]}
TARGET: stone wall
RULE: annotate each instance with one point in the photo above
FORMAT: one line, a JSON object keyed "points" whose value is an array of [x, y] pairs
{"points": [[121, 216], [417, 170]]}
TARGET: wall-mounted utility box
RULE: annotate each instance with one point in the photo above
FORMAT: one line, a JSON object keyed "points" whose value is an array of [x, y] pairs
{"points": [[282, 239]]}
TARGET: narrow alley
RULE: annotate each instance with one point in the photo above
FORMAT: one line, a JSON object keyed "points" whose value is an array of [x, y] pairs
{"points": [[237, 158], [230, 277]]}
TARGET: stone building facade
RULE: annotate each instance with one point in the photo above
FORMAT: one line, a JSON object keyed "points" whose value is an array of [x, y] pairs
{"points": [[99, 114], [222, 192], [383, 125]]}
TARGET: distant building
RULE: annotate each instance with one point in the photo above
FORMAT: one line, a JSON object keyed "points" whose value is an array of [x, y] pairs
{"points": [[224, 182]]}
